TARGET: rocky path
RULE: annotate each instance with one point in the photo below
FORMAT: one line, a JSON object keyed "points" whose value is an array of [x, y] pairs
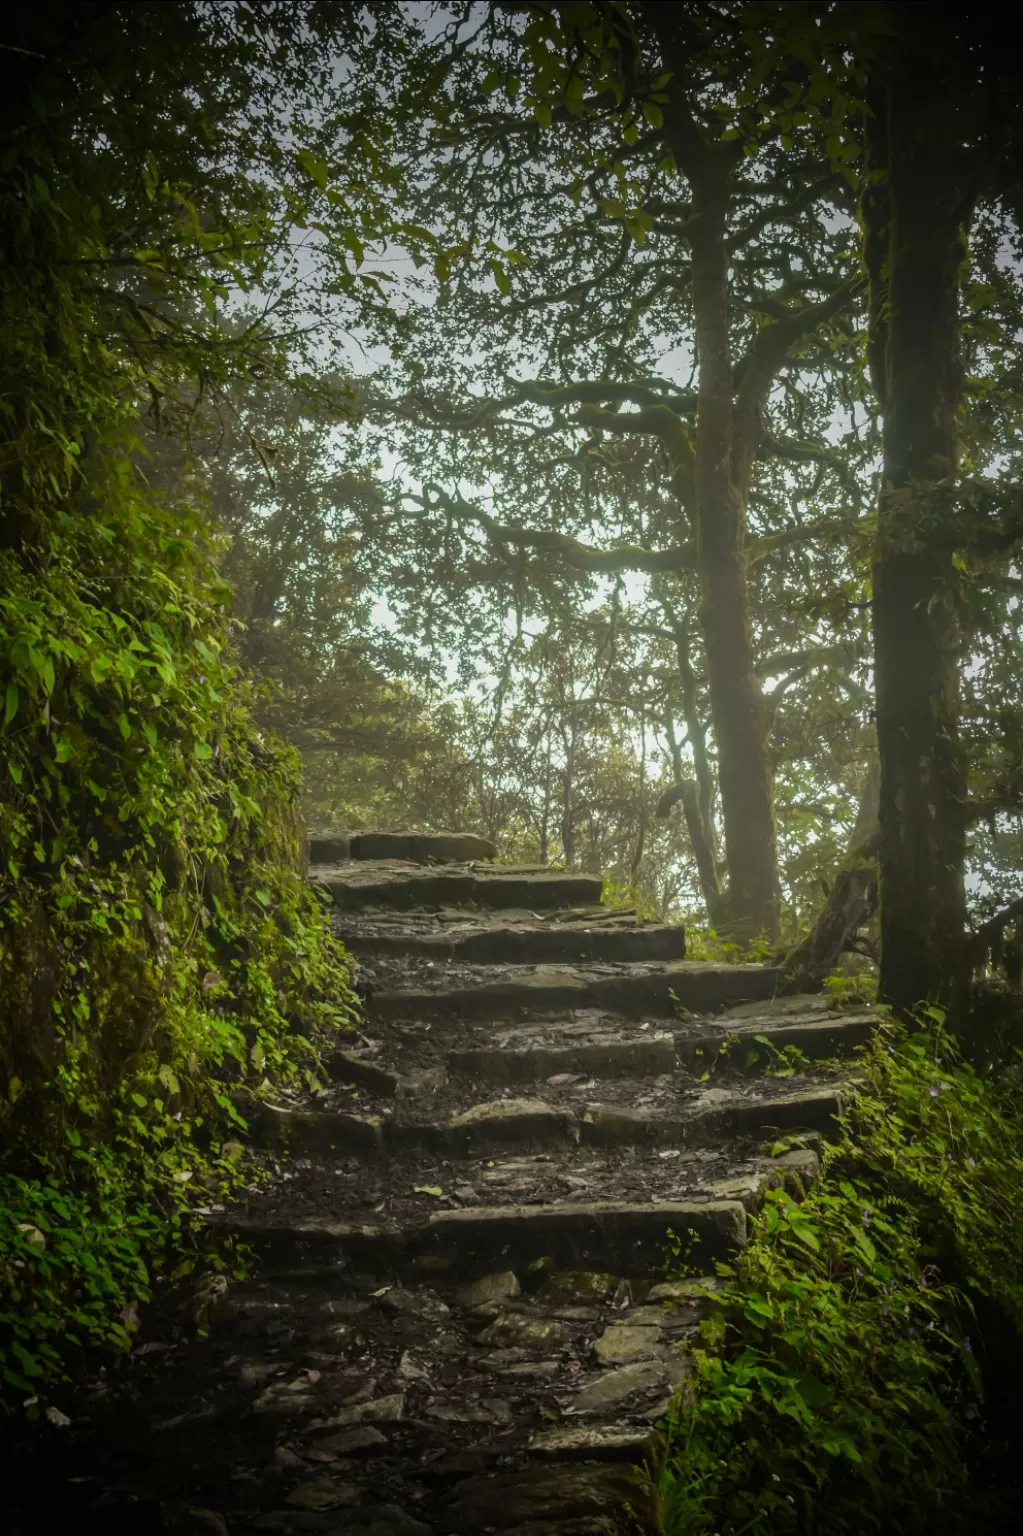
{"points": [[458, 1318]]}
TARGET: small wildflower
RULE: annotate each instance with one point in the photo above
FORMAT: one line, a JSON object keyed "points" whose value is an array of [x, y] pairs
{"points": [[934, 1093], [967, 1345]]}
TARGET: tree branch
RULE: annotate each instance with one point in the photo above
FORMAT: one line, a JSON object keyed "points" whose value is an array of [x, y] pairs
{"points": [[580, 556]]}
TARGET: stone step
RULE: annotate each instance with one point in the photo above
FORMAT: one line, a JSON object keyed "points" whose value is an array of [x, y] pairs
{"points": [[718, 1116], [570, 1500], [642, 989], [520, 1124], [521, 945], [626, 1237], [383, 883], [616, 1049], [413, 847], [816, 1036], [610, 1048]]}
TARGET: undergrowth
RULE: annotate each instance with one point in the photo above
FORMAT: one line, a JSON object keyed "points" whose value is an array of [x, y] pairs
{"points": [[161, 957], [843, 1373]]}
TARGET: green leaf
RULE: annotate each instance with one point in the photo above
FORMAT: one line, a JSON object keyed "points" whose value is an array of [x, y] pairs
{"points": [[316, 167], [168, 1077], [815, 1393], [203, 751], [428, 1189], [11, 703]]}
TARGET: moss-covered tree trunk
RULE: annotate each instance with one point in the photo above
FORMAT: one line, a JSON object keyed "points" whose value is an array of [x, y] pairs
{"points": [[915, 249]]}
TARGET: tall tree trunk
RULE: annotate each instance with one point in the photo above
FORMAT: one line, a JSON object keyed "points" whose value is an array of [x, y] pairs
{"points": [[915, 328], [737, 706]]}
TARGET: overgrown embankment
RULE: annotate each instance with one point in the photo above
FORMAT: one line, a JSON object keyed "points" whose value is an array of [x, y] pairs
{"points": [[860, 1372], [160, 955]]}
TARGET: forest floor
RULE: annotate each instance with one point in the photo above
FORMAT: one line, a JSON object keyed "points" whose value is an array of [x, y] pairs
{"points": [[467, 1305]]}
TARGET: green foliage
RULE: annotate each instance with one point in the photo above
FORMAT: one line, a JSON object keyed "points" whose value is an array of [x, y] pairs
{"points": [[707, 944], [161, 959], [842, 986], [783, 1061], [837, 1386]]}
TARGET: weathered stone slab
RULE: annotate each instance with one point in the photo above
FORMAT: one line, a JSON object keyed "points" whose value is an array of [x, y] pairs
{"points": [[289, 1243], [612, 1126], [488, 1128], [521, 944], [597, 1442], [635, 991], [613, 1387], [355, 886], [818, 1038], [726, 1117], [378, 1410], [422, 847], [317, 1131], [578, 1285], [536, 891], [812, 1109], [349, 1067], [515, 1330], [502, 1286], [629, 1237], [623, 1343], [404, 886], [802, 1164], [330, 847], [518, 1122], [505, 1501], [684, 1293], [421, 1303], [609, 1055]]}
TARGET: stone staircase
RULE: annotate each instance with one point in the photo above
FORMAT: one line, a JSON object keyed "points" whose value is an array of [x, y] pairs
{"points": [[460, 1318]]}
